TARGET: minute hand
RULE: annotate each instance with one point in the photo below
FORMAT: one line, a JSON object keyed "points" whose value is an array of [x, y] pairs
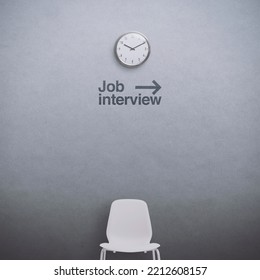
{"points": [[138, 45]]}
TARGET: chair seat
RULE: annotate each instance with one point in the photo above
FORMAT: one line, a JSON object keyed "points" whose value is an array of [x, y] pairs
{"points": [[130, 248]]}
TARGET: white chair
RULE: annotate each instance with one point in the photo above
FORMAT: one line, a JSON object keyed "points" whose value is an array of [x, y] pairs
{"points": [[129, 229]]}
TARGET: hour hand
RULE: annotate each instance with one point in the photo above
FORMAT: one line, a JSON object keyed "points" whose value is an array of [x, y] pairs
{"points": [[131, 49]]}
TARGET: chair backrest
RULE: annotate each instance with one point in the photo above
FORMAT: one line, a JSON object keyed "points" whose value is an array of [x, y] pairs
{"points": [[129, 222]]}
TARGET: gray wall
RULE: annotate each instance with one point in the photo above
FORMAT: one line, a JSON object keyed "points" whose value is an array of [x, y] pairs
{"points": [[194, 159]]}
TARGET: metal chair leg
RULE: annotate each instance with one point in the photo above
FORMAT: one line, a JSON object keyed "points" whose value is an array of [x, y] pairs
{"points": [[103, 254], [153, 255], [158, 254]]}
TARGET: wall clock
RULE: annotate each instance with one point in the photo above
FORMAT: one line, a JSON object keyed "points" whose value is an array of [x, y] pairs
{"points": [[132, 49]]}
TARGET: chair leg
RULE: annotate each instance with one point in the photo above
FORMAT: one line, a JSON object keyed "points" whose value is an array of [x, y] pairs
{"points": [[153, 251], [158, 254], [103, 254]]}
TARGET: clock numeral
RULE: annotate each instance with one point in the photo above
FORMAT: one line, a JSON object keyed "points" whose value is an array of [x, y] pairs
{"points": [[143, 55], [126, 59], [121, 42], [132, 61], [121, 55], [139, 58]]}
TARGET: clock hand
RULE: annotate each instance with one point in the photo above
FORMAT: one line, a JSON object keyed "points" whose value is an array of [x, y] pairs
{"points": [[138, 46], [131, 49]]}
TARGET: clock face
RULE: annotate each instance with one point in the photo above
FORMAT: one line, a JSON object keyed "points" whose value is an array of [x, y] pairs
{"points": [[132, 49]]}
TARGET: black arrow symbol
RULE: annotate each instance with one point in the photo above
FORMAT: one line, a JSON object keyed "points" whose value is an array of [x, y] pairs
{"points": [[156, 87]]}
